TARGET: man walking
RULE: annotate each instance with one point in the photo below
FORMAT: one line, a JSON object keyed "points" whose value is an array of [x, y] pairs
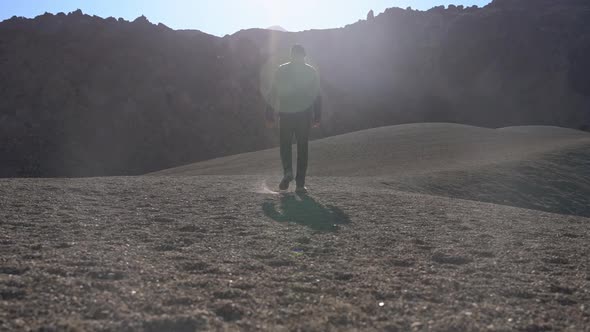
{"points": [[295, 93]]}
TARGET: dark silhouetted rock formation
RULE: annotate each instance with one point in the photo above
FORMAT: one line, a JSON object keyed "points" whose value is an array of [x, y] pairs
{"points": [[83, 96]]}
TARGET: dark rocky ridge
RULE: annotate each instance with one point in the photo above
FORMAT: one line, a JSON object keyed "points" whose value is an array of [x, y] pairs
{"points": [[84, 96]]}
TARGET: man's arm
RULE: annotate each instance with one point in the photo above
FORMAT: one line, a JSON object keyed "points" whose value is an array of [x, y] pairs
{"points": [[317, 109], [272, 100], [269, 114], [317, 104]]}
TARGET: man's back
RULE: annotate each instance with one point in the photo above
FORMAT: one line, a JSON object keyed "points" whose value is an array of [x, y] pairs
{"points": [[297, 87]]}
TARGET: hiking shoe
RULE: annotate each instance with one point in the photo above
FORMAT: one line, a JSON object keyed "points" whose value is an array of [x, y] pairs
{"points": [[301, 190], [284, 185]]}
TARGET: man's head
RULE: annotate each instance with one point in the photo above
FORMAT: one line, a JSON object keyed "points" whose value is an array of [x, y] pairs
{"points": [[298, 53]]}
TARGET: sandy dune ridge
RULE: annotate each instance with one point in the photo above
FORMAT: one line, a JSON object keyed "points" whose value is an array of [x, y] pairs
{"points": [[536, 167], [403, 150]]}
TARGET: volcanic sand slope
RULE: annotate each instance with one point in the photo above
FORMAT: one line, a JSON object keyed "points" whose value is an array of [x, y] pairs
{"points": [[223, 252], [400, 151], [538, 167]]}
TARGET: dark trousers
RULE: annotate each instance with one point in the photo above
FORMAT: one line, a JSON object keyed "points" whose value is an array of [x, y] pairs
{"points": [[297, 124]]}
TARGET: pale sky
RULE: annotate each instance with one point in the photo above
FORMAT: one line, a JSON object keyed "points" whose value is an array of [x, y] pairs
{"points": [[221, 17]]}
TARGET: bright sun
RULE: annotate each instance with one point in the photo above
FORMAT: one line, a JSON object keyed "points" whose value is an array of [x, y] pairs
{"points": [[279, 9]]}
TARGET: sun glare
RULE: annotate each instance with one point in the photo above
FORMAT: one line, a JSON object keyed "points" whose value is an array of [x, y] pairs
{"points": [[280, 11]]}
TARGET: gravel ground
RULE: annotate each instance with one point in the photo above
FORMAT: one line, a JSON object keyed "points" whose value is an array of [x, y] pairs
{"points": [[227, 253]]}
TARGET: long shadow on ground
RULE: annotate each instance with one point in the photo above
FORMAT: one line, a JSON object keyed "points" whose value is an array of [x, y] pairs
{"points": [[305, 210]]}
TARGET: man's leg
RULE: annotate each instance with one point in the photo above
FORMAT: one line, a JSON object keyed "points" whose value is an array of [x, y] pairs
{"points": [[286, 141], [302, 134]]}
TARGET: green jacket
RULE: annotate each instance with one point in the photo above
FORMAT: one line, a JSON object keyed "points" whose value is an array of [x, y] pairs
{"points": [[295, 88]]}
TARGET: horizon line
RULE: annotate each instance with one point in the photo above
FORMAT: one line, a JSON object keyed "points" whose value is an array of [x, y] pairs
{"points": [[216, 35]]}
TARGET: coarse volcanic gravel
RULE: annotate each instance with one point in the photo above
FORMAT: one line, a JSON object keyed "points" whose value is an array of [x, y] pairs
{"points": [[227, 253]]}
